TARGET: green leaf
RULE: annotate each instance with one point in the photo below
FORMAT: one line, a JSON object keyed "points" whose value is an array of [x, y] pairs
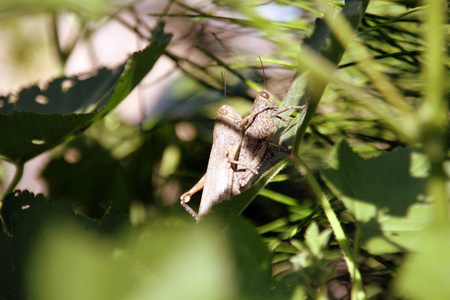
{"points": [[64, 95], [382, 195], [424, 273], [36, 121], [297, 95], [23, 214], [52, 252], [309, 86], [72, 177], [252, 259], [203, 261], [150, 262], [94, 8], [27, 134], [137, 67], [315, 240]]}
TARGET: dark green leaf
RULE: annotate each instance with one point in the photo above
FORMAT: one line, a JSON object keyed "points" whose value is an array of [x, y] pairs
{"points": [[27, 134], [36, 121], [88, 176], [65, 95]]}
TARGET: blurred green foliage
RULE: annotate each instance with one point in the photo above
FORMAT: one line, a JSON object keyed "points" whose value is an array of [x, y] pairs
{"points": [[111, 226]]}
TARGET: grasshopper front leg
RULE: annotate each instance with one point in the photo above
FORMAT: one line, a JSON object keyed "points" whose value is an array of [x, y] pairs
{"points": [[259, 131]]}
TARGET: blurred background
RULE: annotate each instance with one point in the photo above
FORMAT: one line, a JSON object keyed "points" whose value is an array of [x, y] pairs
{"points": [[156, 144], [135, 163], [162, 133]]}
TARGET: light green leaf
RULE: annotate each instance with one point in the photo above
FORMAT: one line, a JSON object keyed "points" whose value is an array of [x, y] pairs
{"points": [[315, 240], [23, 215], [382, 195], [146, 263], [424, 273], [92, 8]]}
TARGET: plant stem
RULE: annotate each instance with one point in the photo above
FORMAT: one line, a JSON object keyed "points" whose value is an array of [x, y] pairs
{"points": [[14, 182], [11, 187], [357, 286], [433, 113]]}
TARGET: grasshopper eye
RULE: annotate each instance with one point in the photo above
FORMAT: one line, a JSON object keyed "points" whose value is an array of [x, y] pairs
{"points": [[264, 94], [223, 111]]}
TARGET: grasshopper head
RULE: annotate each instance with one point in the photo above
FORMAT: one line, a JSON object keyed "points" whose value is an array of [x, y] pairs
{"points": [[263, 100], [228, 115], [227, 112], [267, 98]]}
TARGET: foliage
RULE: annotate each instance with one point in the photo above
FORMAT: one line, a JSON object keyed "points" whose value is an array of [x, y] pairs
{"points": [[351, 204]]}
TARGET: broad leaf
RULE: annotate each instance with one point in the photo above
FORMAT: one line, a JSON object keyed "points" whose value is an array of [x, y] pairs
{"points": [[86, 8], [26, 134], [37, 120], [252, 258], [23, 214], [146, 262], [382, 195], [424, 273], [72, 177]]}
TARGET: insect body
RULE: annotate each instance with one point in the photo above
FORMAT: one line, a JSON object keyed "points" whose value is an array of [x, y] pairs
{"points": [[255, 143], [235, 159], [218, 180]]}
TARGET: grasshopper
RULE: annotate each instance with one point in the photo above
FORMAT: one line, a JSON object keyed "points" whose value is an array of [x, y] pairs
{"points": [[258, 133], [218, 179], [235, 159]]}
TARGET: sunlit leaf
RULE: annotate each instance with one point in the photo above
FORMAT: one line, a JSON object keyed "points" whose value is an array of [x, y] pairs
{"points": [[151, 262], [92, 8], [382, 195], [424, 273]]}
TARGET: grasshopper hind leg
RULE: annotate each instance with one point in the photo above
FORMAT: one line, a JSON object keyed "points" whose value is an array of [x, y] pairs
{"points": [[189, 210]]}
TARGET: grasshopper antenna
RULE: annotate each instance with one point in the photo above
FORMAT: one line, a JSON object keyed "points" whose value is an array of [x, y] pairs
{"points": [[224, 87], [264, 73]]}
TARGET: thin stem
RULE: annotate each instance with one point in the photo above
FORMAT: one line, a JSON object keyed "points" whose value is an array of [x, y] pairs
{"points": [[344, 32], [14, 182], [433, 113], [57, 42], [357, 286]]}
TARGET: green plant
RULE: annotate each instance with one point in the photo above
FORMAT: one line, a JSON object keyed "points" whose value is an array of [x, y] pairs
{"points": [[355, 209]]}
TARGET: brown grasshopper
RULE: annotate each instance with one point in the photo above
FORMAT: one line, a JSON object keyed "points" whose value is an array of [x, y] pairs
{"points": [[235, 159], [217, 182], [259, 131]]}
